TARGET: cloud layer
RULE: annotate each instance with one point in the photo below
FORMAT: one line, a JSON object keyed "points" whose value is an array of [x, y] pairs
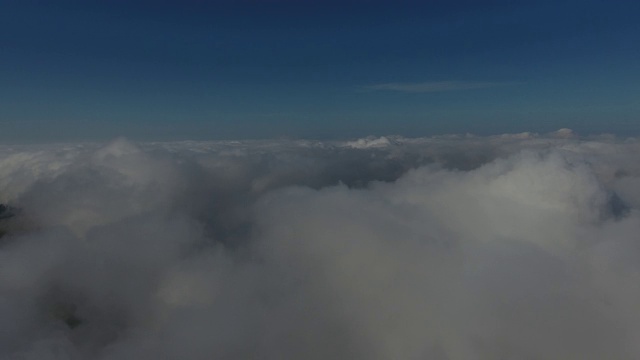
{"points": [[456, 247]]}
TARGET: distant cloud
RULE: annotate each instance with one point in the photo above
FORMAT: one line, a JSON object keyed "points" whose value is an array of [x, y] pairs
{"points": [[434, 86]]}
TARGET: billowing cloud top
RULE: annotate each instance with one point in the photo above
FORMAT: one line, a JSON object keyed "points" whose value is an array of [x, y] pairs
{"points": [[453, 247]]}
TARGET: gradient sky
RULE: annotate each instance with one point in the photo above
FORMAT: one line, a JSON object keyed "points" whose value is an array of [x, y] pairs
{"points": [[189, 69]]}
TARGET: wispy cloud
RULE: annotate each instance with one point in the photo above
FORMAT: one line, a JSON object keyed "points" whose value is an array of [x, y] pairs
{"points": [[433, 86]]}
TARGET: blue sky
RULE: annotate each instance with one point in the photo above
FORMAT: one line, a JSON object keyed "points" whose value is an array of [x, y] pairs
{"points": [[315, 69]]}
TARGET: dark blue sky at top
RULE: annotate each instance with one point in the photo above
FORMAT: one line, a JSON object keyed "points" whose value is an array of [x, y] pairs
{"points": [[315, 69]]}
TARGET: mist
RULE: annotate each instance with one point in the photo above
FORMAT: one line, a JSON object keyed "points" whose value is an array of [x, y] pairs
{"points": [[453, 247]]}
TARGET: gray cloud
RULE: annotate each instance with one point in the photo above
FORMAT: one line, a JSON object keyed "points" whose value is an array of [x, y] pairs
{"points": [[455, 247]]}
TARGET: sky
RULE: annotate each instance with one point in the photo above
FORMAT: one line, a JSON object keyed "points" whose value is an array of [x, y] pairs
{"points": [[170, 70]]}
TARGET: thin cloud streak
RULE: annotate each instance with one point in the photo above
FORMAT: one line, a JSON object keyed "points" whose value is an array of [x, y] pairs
{"points": [[434, 86]]}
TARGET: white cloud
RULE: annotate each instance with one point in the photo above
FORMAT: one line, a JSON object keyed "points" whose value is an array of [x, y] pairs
{"points": [[433, 86], [459, 247]]}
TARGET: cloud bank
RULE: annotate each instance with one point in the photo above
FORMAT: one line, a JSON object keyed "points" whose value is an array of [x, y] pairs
{"points": [[455, 247]]}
